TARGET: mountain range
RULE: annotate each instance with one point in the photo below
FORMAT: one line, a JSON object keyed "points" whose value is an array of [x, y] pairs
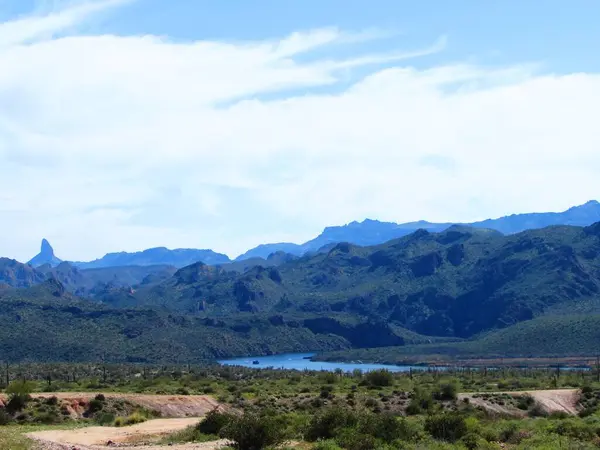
{"points": [[373, 232], [366, 233], [462, 284]]}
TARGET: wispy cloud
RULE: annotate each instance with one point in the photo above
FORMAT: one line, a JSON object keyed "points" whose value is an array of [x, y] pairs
{"points": [[45, 26], [138, 122]]}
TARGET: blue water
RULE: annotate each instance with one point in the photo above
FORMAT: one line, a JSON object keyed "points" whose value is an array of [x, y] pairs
{"points": [[298, 361]]}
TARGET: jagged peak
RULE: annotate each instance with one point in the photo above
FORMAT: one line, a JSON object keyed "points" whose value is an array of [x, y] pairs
{"points": [[46, 255], [46, 249]]}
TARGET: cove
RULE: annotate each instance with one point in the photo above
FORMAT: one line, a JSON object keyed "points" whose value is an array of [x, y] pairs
{"points": [[301, 361]]}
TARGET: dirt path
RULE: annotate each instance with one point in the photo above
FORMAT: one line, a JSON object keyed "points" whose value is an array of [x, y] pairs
{"points": [[178, 412], [101, 435], [554, 400], [98, 437]]}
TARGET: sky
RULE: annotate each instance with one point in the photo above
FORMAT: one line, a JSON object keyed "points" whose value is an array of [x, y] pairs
{"points": [[224, 124]]}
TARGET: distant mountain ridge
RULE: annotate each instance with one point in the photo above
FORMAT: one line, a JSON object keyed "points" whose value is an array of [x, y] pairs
{"points": [[373, 232], [366, 233], [157, 256], [462, 283]]}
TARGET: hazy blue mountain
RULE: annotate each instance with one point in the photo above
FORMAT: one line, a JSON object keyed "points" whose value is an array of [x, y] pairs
{"points": [[581, 216], [19, 275], [373, 232], [45, 256], [264, 250], [157, 256]]}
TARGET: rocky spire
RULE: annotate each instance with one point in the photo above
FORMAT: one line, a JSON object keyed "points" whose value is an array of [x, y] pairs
{"points": [[45, 256]]}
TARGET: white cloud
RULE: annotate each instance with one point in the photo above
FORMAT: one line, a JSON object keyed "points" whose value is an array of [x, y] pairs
{"points": [[123, 142]]}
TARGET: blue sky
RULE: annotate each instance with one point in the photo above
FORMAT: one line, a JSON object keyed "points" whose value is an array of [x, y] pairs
{"points": [[127, 124]]}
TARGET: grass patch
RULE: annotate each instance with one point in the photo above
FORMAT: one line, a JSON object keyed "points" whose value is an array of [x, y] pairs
{"points": [[190, 434]]}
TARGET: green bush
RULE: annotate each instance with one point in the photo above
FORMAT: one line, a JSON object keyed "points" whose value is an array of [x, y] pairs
{"points": [[447, 392], [104, 419], [136, 417], [326, 445], [421, 401], [379, 378], [525, 402], [384, 426], [18, 395], [5, 418], [93, 407], [353, 439], [214, 422], [446, 427], [575, 429], [328, 423], [253, 432]]}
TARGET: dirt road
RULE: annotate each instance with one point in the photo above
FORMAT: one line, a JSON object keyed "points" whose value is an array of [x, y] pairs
{"points": [[178, 412], [554, 400], [99, 437]]}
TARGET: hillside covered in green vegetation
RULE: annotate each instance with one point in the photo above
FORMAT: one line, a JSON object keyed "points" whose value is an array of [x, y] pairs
{"points": [[425, 288]]}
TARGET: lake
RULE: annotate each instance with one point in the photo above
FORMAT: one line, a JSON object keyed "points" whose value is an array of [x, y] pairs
{"points": [[299, 361]]}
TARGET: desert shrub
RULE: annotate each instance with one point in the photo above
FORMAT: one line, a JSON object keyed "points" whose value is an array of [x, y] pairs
{"points": [[327, 424], [52, 401], [136, 417], [379, 378], [329, 377], [327, 445], [471, 441], [421, 401], [5, 418], [119, 422], [18, 396], [575, 429], [326, 392], [384, 426], [104, 419], [48, 418], [446, 392], [446, 427], [537, 411], [214, 422], [525, 402], [93, 407], [253, 432], [353, 439]]}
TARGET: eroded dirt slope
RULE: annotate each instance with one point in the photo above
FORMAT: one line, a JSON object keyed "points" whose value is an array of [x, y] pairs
{"points": [[554, 400]]}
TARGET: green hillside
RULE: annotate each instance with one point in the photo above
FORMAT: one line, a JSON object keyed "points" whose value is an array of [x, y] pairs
{"points": [[45, 323], [457, 283], [549, 336], [425, 288]]}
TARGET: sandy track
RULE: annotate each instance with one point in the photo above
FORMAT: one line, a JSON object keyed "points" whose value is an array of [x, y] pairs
{"points": [[98, 437], [552, 400], [178, 412], [101, 435]]}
